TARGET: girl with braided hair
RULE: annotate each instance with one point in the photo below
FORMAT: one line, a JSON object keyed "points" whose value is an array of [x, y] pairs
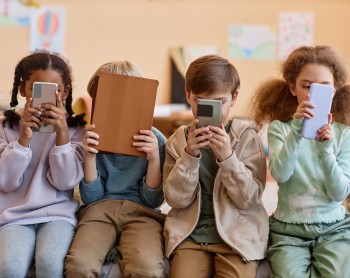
{"points": [[39, 171]]}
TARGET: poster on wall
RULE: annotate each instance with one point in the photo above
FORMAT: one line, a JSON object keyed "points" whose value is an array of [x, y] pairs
{"points": [[252, 41], [295, 29], [15, 13], [47, 29]]}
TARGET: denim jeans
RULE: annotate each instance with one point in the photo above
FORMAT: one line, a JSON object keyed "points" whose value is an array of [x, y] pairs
{"points": [[47, 242]]}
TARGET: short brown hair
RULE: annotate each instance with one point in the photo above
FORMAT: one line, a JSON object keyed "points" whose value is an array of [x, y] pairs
{"points": [[211, 73]]}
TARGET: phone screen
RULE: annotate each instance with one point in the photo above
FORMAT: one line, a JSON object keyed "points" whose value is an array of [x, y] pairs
{"points": [[205, 110]]}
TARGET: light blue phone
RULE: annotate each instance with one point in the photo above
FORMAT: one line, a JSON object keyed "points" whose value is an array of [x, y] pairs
{"points": [[321, 96]]}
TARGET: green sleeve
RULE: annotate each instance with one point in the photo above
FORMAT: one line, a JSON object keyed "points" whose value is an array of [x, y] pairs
{"points": [[336, 167], [284, 142]]}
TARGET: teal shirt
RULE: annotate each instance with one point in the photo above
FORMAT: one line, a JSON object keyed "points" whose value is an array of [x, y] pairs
{"points": [[123, 177], [313, 176]]}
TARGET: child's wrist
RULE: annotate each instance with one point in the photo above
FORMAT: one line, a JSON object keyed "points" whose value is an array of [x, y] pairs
{"points": [[24, 142], [226, 156]]}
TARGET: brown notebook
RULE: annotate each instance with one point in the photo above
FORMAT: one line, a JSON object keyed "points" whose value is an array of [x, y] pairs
{"points": [[123, 105]]}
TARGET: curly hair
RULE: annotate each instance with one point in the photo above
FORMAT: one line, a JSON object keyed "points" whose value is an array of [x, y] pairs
{"points": [[42, 60], [274, 101]]}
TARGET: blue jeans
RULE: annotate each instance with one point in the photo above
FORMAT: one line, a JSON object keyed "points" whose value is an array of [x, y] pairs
{"points": [[47, 243], [310, 250]]}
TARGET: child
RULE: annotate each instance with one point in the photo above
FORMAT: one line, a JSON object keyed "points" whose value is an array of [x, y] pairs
{"points": [[214, 178], [38, 172], [310, 234], [122, 193]]}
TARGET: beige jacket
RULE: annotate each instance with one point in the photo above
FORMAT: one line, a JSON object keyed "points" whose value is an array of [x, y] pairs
{"points": [[241, 219]]}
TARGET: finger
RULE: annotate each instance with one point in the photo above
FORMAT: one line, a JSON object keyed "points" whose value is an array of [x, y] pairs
{"points": [[193, 125], [148, 133], [89, 128], [28, 103], [59, 101], [48, 107], [330, 118], [91, 141], [144, 149], [91, 134], [218, 137], [92, 150], [217, 130], [142, 143], [202, 137], [33, 111], [304, 114], [203, 144], [307, 104], [201, 130], [324, 131], [143, 138], [36, 119]]}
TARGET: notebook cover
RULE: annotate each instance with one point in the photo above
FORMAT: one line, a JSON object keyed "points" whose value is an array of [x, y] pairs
{"points": [[123, 105]]}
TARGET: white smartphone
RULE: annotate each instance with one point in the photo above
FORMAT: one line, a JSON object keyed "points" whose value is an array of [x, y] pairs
{"points": [[44, 92], [321, 96], [209, 112]]}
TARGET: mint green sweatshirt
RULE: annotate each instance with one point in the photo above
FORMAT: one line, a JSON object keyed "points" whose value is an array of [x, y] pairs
{"points": [[313, 176]]}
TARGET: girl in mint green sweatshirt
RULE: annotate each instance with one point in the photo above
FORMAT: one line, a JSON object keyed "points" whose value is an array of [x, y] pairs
{"points": [[309, 231]]}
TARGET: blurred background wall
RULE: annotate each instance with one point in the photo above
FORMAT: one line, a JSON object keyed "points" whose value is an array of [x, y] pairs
{"points": [[143, 31]]}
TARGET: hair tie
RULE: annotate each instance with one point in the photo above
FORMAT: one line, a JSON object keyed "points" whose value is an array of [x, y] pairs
{"points": [[13, 108]]}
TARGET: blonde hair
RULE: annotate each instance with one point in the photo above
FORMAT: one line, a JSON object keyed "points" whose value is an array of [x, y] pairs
{"points": [[118, 67]]}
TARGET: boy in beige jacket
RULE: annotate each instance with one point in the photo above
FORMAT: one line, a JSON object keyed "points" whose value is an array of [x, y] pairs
{"points": [[214, 179]]}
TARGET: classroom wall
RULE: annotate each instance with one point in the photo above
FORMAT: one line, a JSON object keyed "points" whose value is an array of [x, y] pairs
{"points": [[142, 31]]}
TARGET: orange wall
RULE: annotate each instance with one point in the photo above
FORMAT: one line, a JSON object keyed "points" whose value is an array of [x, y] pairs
{"points": [[142, 31]]}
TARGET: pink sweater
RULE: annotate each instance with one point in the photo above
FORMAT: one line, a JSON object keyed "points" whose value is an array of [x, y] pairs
{"points": [[36, 183]]}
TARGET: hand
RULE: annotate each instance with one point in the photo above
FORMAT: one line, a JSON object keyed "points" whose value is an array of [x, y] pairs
{"points": [[30, 118], [303, 110], [147, 142], [197, 138], [57, 117], [325, 133], [220, 142], [89, 141]]}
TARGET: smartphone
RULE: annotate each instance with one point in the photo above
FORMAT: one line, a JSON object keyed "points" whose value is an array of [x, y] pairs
{"points": [[321, 96], [209, 112], [44, 92]]}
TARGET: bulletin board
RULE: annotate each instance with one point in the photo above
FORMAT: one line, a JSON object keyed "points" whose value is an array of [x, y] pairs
{"points": [[143, 32]]}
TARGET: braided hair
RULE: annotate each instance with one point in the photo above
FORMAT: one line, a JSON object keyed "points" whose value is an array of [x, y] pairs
{"points": [[42, 60]]}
